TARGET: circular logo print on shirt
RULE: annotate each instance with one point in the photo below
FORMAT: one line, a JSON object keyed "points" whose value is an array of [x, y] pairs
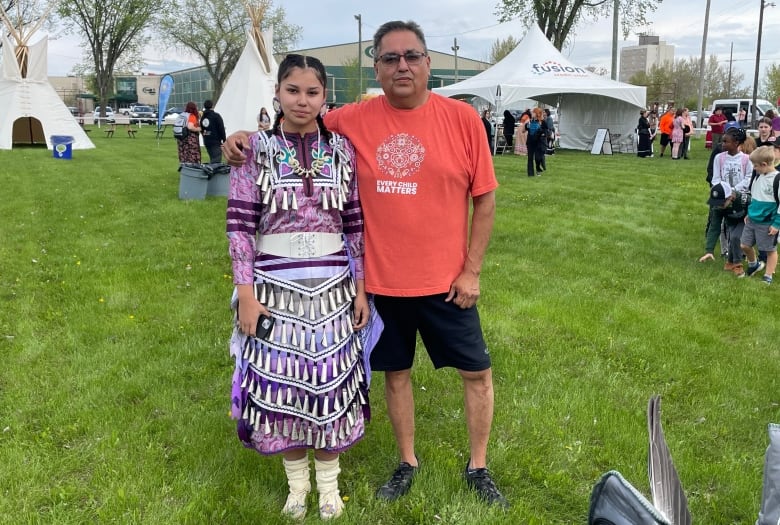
{"points": [[401, 155]]}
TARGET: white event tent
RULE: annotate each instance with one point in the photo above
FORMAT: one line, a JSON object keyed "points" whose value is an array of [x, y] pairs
{"points": [[536, 70]]}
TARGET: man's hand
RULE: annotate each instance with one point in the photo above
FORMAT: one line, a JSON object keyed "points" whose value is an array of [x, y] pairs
{"points": [[707, 257], [464, 291], [233, 148]]}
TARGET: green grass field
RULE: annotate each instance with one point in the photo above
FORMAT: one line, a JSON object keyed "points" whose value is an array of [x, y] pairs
{"points": [[114, 322]]}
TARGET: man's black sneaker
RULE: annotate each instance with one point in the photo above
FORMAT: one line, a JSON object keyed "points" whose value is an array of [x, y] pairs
{"points": [[398, 484], [479, 481]]}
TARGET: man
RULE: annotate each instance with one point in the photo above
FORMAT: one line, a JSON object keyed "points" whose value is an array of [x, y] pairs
{"points": [[213, 130], [420, 156], [665, 125], [716, 123]]}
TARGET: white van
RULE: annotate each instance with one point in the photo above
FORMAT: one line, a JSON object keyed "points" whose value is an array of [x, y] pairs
{"points": [[734, 104]]}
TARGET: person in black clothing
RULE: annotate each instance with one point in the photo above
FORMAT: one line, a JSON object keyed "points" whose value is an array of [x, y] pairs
{"points": [[645, 148], [536, 130], [488, 129], [509, 129], [213, 130]]}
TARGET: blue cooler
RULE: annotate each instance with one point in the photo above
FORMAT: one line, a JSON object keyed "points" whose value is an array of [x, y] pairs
{"points": [[62, 146]]}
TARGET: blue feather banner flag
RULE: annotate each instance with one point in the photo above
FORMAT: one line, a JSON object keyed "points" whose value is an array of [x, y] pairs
{"points": [[166, 88]]}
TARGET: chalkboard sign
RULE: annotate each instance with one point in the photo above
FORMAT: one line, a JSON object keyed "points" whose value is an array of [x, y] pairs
{"points": [[601, 142]]}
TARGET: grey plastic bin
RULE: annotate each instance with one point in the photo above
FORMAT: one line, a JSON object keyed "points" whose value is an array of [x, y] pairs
{"points": [[219, 179], [193, 182]]}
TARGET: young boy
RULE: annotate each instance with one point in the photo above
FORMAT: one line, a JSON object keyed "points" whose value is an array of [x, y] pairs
{"points": [[763, 220], [729, 205]]}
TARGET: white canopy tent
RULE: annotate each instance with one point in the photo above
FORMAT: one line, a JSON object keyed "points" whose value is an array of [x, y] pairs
{"points": [[536, 70]]}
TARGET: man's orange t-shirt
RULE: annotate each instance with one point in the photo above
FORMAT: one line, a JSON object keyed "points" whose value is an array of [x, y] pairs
{"points": [[416, 170], [666, 123]]}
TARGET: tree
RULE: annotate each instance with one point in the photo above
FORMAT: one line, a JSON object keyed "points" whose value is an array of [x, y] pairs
{"points": [[352, 75], [559, 18], [216, 31], [679, 81], [113, 33], [771, 84], [502, 48], [23, 15]]}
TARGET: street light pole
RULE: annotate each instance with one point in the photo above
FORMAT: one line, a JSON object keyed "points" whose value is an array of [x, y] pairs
{"points": [[359, 19], [455, 48]]}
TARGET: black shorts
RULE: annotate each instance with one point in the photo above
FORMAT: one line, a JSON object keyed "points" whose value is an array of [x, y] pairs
{"points": [[452, 335], [665, 139]]}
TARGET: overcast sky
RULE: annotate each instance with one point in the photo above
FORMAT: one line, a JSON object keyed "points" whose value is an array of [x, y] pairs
{"points": [[474, 24]]}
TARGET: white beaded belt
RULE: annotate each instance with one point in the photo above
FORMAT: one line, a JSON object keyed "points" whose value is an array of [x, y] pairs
{"points": [[300, 245]]}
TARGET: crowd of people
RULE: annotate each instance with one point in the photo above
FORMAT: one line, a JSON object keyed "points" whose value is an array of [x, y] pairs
{"points": [[744, 198]]}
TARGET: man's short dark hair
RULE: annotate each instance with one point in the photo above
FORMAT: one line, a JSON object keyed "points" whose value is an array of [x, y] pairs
{"points": [[397, 25], [208, 104]]}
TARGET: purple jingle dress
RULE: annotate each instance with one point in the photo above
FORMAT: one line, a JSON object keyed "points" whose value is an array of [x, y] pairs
{"points": [[306, 384]]}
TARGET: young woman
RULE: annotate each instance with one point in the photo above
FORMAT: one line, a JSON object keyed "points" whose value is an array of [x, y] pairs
{"points": [[678, 133], [536, 140], [263, 120], [189, 147], [295, 227], [766, 136], [644, 149]]}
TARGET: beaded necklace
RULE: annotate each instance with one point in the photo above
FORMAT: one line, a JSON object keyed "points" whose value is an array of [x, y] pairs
{"points": [[316, 164]]}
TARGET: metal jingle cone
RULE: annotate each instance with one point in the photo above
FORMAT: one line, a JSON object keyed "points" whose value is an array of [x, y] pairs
{"points": [[284, 200], [271, 298], [331, 300], [300, 306], [245, 414], [245, 381], [294, 339], [281, 304], [323, 306], [312, 343], [312, 313], [302, 341], [294, 434], [324, 200], [291, 303], [263, 294], [286, 428], [324, 373], [294, 201], [273, 204]]}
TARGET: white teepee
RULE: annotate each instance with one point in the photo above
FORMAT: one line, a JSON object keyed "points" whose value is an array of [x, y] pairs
{"points": [[251, 84], [32, 110]]}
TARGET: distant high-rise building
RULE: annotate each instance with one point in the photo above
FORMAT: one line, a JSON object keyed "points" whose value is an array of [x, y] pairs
{"points": [[650, 52]]}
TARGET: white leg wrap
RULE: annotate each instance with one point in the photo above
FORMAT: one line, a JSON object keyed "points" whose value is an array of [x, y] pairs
{"points": [[327, 473], [298, 480]]}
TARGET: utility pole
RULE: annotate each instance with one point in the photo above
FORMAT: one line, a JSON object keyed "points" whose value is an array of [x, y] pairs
{"points": [[754, 109], [455, 48], [731, 60], [359, 19], [615, 13], [700, 109]]}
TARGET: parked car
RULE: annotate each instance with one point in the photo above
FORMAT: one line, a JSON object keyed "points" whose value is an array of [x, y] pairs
{"points": [[170, 115], [73, 111], [109, 115], [144, 114], [695, 118]]}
